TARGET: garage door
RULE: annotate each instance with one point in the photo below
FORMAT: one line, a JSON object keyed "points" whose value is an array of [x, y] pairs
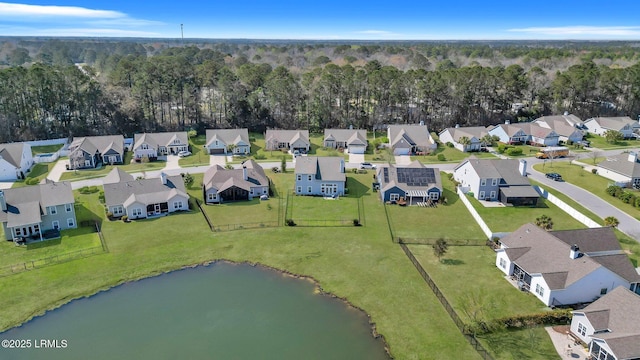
{"points": [[216, 151], [354, 149]]}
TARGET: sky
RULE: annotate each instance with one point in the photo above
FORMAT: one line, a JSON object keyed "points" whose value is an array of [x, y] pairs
{"points": [[326, 19]]}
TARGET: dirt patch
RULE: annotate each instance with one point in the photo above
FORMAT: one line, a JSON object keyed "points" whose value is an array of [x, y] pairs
{"points": [[562, 329]]}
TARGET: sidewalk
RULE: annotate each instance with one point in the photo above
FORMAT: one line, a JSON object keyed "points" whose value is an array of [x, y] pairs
{"points": [[565, 345]]}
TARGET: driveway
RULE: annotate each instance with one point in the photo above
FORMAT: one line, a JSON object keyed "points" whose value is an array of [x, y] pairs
{"points": [[172, 162], [356, 158], [58, 169], [218, 160], [403, 159]]}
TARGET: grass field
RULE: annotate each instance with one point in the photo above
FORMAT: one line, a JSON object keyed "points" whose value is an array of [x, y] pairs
{"points": [[105, 169], [198, 154], [531, 343], [601, 143], [450, 154], [45, 149], [38, 171]]}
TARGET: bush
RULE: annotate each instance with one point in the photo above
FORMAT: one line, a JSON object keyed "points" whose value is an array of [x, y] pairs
{"points": [[503, 147], [290, 222], [109, 214], [627, 197], [125, 218], [32, 181], [611, 190], [356, 222], [441, 157], [88, 190], [101, 197], [594, 171], [637, 202], [514, 151], [260, 156], [449, 144]]}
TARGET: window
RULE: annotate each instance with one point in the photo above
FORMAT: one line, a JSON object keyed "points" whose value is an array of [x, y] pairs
{"points": [[71, 222], [582, 330], [539, 290], [434, 196], [299, 189], [137, 212], [483, 182], [211, 196], [68, 207], [309, 177], [55, 225], [503, 263], [299, 177], [264, 191], [309, 189], [118, 210], [494, 182], [603, 291], [493, 195], [394, 197], [18, 232], [53, 210], [177, 205], [481, 195]]}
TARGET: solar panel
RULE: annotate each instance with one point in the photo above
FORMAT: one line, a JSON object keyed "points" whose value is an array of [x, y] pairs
{"points": [[416, 176], [386, 175]]}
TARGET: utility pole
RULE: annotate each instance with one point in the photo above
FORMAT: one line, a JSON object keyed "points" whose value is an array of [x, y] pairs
{"points": [[182, 33]]}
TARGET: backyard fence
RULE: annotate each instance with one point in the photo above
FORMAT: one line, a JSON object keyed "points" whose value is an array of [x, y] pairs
{"points": [[431, 241], [323, 223], [291, 220], [204, 213], [243, 226], [447, 306]]}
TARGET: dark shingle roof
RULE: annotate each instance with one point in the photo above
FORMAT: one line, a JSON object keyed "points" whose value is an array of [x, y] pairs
{"points": [[326, 168], [26, 204]]}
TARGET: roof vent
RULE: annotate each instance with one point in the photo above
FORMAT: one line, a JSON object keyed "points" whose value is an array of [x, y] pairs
{"points": [[575, 252]]}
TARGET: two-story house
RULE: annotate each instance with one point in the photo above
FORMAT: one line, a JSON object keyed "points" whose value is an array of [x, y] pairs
{"points": [[223, 141], [16, 160], [522, 133], [222, 185], [290, 140], [323, 176], [37, 212], [351, 140], [504, 180], [155, 145], [415, 183], [91, 151]]}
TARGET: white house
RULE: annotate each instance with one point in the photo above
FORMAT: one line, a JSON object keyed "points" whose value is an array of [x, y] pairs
{"points": [[510, 134], [320, 175], [623, 124], [566, 126], [291, 140], [473, 133], [15, 161], [353, 141], [154, 145], [610, 326], [566, 267], [410, 139], [621, 168], [219, 141]]}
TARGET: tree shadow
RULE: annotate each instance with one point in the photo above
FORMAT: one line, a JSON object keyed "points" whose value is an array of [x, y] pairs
{"points": [[452, 262], [451, 196], [356, 188]]}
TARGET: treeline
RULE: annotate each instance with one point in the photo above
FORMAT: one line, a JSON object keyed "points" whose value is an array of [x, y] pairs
{"points": [[189, 87]]}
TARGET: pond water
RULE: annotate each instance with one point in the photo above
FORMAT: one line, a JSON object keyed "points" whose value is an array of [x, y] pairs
{"points": [[220, 311]]}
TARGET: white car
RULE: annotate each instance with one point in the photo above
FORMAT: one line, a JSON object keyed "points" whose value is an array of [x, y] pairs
{"points": [[184, 153], [367, 165]]}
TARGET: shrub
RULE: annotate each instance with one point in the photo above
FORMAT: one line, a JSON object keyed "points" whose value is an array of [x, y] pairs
{"points": [[125, 218], [637, 202], [32, 181], [356, 222], [449, 144], [109, 214], [611, 190], [101, 197], [627, 197], [290, 222], [260, 156], [514, 151], [594, 171], [441, 157], [503, 147], [88, 190]]}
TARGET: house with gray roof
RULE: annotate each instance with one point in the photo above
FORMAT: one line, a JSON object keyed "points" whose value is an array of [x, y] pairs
{"points": [[568, 127], [144, 198], [290, 140], [566, 267], [610, 326], [353, 141], [519, 133], [16, 160], [410, 139], [155, 145], [474, 135], [623, 124], [415, 183], [497, 179], [221, 141], [37, 212], [623, 168], [92, 151], [320, 175], [510, 134], [223, 185]]}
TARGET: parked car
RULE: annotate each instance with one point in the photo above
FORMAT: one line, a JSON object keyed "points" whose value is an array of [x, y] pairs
{"points": [[554, 176], [184, 153], [367, 165]]}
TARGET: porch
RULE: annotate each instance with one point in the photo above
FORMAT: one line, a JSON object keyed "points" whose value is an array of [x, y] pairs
{"points": [[233, 193], [421, 198], [157, 209]]}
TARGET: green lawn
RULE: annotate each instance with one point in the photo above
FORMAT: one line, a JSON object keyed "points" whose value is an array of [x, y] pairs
{"points": [[601, 143], [510, 218], [45, 149], [450, 154], [360, 264], [258, 152], [451, 221], [530, 343], [38, 171], [198, 154], [595, 184], [105, 169]]}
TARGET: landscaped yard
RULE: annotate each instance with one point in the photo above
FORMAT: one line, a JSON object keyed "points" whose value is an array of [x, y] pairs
{"points": [[258, 152], [450, 221], [510, 218], [601, 143], [450, 155], [45, 149], [38, 171], [105, 169], [529, 343], [593, 183], [198, 155]]}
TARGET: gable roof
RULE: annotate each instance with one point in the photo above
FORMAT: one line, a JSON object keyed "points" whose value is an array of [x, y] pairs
{"points": [[543, 253], [26, 204], [100, 144], [505, 169], [591, 240], [227, 136], [613, 123], [559, 125], [414, 135], [160, 139], [146, 191], [219, 178], [349, 136], [414, 176], [12, 153], [512, 129], [325, 168], [117, 175], [288, 136], [616, 320], [570, 120], [477, 132], [620, 164]]}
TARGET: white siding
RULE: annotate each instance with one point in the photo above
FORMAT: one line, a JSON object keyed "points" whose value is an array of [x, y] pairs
{"points": [[581, 318]]}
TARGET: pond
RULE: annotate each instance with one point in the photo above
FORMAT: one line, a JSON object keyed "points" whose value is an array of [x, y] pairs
{"points": [[221, 311]]}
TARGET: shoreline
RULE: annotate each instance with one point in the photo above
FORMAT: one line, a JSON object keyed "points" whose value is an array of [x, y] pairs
{"points": [[318, 289]]}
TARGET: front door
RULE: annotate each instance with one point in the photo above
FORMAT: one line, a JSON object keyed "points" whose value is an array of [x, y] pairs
{"points": [[157, 208]]}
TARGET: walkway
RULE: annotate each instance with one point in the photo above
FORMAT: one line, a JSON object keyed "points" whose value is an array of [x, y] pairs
{"points": [[58, 169], [565, 346]]}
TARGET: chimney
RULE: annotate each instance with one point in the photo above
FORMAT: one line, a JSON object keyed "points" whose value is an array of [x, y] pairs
{"points": [[507, 122], [163, 178], [522, 167], [633, 156], [244, 172], [575, 252], [3, 202], [457, 126], [566, 113], [421, 122], [350, 127]]}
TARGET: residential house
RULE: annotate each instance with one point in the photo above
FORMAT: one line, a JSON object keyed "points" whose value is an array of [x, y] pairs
{"points": [[222, 185], [610, 326], [568, 127], [291, 140], [473, 134], [154, 145], [37, 212], [92, 151], [566, 267], [15, 161], [622, 168], [623, 124], [351, 140], [521, 133], [223, 141], [500, 179], [317, 175], [415, 184], [143, 198], [410, 139], [510, 134]]}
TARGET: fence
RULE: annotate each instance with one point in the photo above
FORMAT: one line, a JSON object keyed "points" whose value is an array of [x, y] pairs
{"points": [[56, 259], [254, 225], [566, 208], [45, 158], [447, 306], [290, 219], [431, 241], [324, 223], [474, 213], [48, 142], [204, 213]]}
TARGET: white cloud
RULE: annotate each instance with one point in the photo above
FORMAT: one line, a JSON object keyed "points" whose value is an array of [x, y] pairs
{"points": [[613, 31], [39, 11], [98, 32]]}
